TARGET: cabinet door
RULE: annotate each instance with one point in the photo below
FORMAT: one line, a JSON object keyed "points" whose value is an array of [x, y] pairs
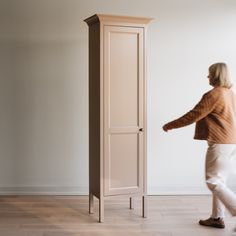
{"points": [[123, 109]]}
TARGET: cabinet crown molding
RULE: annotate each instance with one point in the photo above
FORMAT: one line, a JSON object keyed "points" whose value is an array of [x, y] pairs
{"points": [[115, 18]]}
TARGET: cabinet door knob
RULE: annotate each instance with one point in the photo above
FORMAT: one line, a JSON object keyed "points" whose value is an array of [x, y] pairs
{"points": [[141, 129]]}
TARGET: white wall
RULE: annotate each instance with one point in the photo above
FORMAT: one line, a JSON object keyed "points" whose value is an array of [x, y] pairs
{"points": [[44, 89]]}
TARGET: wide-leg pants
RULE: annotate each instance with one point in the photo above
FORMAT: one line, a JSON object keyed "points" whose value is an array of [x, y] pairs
{"points": [[220, 163]]}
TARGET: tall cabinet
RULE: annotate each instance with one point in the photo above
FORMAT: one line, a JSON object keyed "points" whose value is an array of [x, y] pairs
{"points": [[117, 109]]}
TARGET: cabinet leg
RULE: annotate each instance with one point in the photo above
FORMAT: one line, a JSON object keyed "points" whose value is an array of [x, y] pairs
{"points": [[101, 210], [144, 206], [91, 203], [131, 203]]}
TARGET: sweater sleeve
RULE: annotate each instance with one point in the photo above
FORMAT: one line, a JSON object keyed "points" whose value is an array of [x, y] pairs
{"points": [[205, 106]]}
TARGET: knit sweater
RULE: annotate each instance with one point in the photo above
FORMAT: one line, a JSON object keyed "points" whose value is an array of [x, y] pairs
{"points": [[215, 117]]}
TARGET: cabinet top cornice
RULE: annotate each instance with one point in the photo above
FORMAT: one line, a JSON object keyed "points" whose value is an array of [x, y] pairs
{"points": [[114, 18]]}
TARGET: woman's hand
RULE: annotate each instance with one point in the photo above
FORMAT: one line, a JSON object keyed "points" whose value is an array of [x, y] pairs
{"points": [[165, 128]]}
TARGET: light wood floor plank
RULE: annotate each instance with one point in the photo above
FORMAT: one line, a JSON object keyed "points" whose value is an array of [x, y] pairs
{"points": [[68, 216]]}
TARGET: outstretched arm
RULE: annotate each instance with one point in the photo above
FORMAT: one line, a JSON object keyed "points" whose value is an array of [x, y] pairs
{"points": [[201, 110]]}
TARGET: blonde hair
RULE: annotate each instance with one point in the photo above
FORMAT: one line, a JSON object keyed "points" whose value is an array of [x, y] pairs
{"points": [[219, 75]]}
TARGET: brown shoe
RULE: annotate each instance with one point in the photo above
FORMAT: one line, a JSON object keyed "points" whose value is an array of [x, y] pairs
{"points": [[211, 222]]}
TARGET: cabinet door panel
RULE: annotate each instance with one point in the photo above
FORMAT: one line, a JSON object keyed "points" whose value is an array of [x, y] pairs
{"points": [[120, 155], [123, 109]]}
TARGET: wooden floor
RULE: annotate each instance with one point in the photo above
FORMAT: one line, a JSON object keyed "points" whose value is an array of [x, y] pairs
{"points": [[68, 216]]}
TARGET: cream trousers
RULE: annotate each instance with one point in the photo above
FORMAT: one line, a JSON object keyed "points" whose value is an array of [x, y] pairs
{"points": [[220, 163]]}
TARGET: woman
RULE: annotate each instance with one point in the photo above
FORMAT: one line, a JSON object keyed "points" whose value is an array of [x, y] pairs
{"points": [[215, 117]]}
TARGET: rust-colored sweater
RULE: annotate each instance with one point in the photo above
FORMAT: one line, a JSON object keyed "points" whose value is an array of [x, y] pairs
{"points": [[215, 117]]}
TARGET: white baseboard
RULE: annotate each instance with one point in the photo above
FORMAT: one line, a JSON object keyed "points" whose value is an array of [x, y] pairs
{"points": [[173, 190], [44, 190], [79, 190], [180, 190]]}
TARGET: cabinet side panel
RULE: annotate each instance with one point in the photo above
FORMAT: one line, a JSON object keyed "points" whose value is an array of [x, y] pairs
{"points": [[94, 109]]}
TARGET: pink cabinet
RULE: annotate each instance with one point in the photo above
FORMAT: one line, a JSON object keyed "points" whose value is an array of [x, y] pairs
{"points": [[117, 108]]}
